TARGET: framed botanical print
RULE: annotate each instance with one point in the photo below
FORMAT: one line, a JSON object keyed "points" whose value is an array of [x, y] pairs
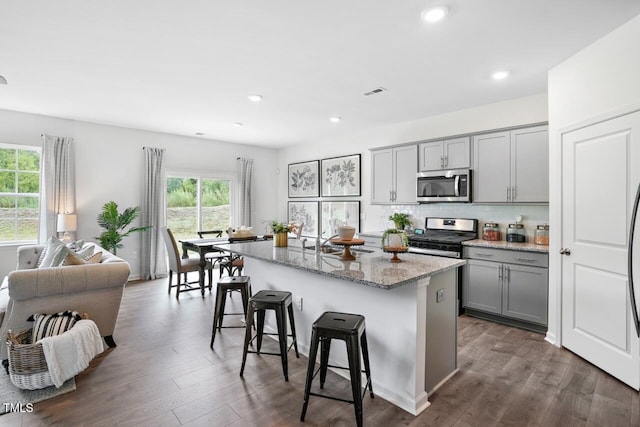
{"points": [[341, 176], [307, 213], [337, 213], [304, 179]]}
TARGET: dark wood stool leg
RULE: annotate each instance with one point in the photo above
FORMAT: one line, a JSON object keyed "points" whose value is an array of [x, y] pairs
{"points": [[281, 321], [244, 293], [293, 329], [325, 348], [171, 279], [353, 354], [313, 351], [260, 316], [247, 336], [365, 356]]}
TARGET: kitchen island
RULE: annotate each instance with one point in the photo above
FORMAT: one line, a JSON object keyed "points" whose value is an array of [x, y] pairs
{"points": [[410, 310]]}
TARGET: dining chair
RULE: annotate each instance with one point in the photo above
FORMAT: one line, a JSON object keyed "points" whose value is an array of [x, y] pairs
{"points": [[182, 266]]}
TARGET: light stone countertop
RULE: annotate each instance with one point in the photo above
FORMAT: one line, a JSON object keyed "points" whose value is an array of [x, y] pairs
{"points": [[370, 269], [503, 244]]}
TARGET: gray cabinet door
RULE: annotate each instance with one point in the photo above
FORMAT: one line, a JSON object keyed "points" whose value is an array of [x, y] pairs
{"points": [[382, 176], [431, 158], [405, 165], [530, 167], [524, 293], [492, 167], [482, 286], [457, 153]]}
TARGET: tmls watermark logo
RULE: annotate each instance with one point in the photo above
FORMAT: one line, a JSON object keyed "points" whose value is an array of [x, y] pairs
{"points": [[18, 407]]}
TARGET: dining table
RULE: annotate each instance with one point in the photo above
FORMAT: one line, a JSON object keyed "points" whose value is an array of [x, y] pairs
{"points": [[214, 245]]}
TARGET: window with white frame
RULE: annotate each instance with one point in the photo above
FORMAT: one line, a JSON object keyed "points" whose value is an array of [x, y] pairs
{"points": [[19, 193], [198, 203]]}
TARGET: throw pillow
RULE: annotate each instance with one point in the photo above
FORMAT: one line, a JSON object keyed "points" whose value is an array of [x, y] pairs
{"points": [[76, 246], [56, 252], [86, 252], [94, 259], [73, 258], [48, 325]]}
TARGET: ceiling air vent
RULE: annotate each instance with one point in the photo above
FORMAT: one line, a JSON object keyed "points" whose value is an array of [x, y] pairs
{"points": [[374, 91]]}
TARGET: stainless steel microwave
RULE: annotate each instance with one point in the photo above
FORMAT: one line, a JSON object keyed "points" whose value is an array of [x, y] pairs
{"points": [[444, 186]]}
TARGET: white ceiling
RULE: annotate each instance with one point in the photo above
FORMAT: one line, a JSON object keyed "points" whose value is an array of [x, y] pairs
{"points": [[187, 66]]}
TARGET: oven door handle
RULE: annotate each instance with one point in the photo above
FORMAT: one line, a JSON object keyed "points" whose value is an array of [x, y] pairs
{"points": [[457, 186], [422, 251]]}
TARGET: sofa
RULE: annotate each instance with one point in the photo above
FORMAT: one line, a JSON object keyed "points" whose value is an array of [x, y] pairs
{"points": [[95, 289]]}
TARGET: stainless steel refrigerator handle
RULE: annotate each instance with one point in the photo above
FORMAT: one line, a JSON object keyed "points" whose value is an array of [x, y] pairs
{"points": [[632, 227]]}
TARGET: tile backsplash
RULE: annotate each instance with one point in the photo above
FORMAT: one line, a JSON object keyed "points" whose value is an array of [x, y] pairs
{"points": [[501, 214]]}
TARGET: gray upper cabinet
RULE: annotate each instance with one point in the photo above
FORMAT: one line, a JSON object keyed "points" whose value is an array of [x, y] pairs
{"points": [[446, 154], [512, 166], [393, 175]]}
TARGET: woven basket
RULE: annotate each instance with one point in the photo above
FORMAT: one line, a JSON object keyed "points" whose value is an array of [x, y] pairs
{"points": [[27, 366]]}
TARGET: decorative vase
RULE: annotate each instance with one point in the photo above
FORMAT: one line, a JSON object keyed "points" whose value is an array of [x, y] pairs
{"points": [[280, 240]]}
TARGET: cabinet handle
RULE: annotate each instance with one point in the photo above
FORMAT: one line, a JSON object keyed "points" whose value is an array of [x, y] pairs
{"points": [[499, 272], [484, 255], [508, 194], [446, 161], [441, 162], [391, 195], [507, 273], [526, 259], [513, 193]]}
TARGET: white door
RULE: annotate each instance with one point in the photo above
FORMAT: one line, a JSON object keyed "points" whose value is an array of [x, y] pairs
{"points": [[600, 175]]}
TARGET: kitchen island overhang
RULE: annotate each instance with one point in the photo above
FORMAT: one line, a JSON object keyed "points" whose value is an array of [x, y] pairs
{"points": [[410, 310]]}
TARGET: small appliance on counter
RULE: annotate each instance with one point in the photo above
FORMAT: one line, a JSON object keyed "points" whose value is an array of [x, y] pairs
{"points": [[516, 233], [491, 231], [542, 235]]}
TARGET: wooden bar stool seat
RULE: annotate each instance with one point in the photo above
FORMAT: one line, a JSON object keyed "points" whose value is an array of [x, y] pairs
{"points": [[226, 285], [281, 303], [349, 328]]}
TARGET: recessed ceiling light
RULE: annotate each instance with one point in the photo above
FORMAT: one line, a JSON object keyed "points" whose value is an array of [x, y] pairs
{"points": [[499, 75], [3, 81], [435, 14], [255, 98], [237, 124], [335, 119]]}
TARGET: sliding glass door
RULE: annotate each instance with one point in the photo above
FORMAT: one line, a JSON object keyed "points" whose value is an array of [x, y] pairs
{"points": [[197, 203]]}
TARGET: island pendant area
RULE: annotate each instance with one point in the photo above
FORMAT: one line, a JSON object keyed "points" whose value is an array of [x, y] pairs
{"points": [[410, 310]]}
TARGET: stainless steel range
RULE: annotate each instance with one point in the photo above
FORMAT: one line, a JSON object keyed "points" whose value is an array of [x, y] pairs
{"points": [[443, 236]]}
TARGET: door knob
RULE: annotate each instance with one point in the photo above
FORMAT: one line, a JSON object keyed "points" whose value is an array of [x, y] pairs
{"points": [[565, 251]]}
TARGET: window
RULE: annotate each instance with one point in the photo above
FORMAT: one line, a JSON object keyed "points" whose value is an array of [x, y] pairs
{"points": [[19, 193], [197, 203]]}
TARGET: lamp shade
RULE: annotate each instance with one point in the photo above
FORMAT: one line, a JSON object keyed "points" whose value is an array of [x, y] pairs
{"points": [[67, 222]]}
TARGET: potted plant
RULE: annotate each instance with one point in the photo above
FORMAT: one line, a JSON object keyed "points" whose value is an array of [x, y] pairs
{"points": [[394, 238], [280, 233], [400, 220], [114, 224]]}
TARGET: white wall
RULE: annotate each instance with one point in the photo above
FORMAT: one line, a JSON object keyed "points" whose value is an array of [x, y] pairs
{"points": [[531, 109], [597, 81], [110, 165]]}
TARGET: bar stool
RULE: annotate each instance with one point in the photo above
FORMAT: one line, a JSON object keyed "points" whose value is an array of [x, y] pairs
{"points": [[227, 285], [281, 303], [351, 329]]}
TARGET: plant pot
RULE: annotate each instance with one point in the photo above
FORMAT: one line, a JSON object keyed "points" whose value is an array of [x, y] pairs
{"points": [[394, 240], [280, 240]]}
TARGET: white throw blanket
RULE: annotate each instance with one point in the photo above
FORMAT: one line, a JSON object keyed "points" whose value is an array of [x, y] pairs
{"points": [[70, 353]]}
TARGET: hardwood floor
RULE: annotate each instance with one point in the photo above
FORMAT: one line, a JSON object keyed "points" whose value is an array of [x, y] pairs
{"points": [[163, 374]]}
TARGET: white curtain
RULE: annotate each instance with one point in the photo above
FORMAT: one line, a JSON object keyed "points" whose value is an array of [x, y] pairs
{"points": [[57, 183], [245, 171], [152, 251]]}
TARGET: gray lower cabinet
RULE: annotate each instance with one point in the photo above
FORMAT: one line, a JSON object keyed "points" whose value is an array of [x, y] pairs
{"points": [[505, 283]]}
